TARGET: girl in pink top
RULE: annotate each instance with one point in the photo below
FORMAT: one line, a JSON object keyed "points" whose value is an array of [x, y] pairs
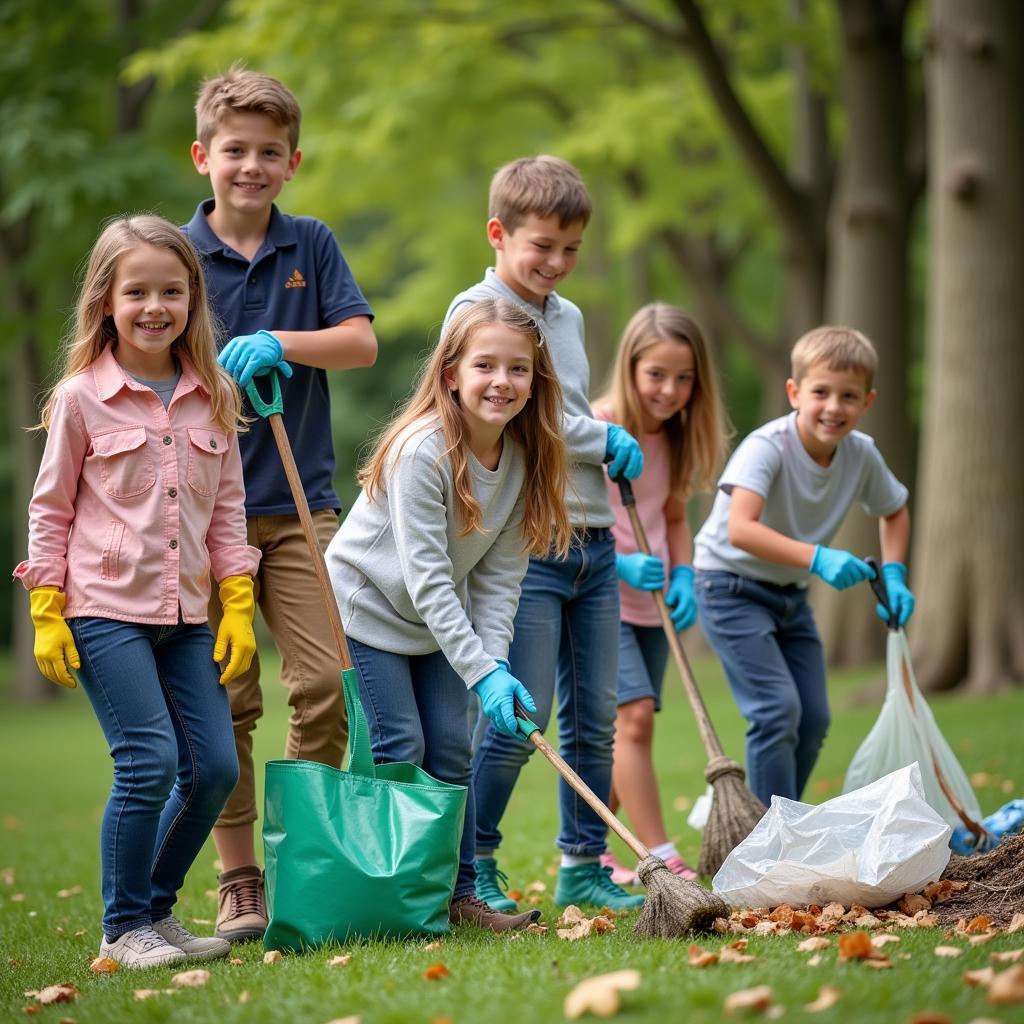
{"points": [[664, 392], [139, 498]]}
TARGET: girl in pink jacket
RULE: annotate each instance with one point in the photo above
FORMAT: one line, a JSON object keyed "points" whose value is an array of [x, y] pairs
{"points": [[139, 498]]}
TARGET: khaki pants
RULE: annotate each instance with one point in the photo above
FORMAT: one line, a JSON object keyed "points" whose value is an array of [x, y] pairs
{"points": [[292, 605]]}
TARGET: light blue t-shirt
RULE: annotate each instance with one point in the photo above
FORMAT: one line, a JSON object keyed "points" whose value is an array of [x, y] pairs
{"points": [[802, 499]]}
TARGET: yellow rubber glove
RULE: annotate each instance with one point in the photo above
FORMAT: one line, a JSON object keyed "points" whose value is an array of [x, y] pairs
{"points": [[54, 648], [239, 605]]}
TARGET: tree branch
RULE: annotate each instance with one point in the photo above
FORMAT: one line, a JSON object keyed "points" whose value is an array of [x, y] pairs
{"points": [[657, 27]]}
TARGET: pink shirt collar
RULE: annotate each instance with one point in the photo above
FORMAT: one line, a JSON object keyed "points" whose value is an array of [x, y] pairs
{"points": [[110, 377]]}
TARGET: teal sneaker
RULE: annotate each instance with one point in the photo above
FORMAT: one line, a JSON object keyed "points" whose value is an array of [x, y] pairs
{"points": [[591, 883], [490, 881]]}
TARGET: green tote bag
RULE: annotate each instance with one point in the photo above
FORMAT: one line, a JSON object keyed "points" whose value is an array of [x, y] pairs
{"points": [[364, 853]]}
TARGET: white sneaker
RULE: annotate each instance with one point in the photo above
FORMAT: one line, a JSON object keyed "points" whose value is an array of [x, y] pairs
{"points": [[141, 947], [194, 947]]}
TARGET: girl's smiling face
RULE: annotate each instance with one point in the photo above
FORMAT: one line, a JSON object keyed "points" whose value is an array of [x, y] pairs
{"points": [[664, 376]]}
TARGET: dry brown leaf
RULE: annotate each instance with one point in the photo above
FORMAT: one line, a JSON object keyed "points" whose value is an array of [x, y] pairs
{"points": [[104, 965], [600, 995], [950, 951], [783, 914], [340, 961], [856, 946], [272, 956], [236, 962], [62, 993], [832, 912], [912, 902], [828, 996], [1016, 923], [739, 944], [571, 915], [1008, 987], [867, 921], [580, 930], [1011, 956], [878, 941], [65, 893], [435, 972], [190, 979], [433, 946], [721, 925], [698, 957], [946, 889], [537, 887], [982, 976], [803, 921], [878, 963], [536, 929], [757, 998], [601, 924], [924, 919], [815, 960], [32, 1010], [7, 876], [766, 928], [728, 955], [978, 924], [147, 993], [515, 894], [814, 943], [980, 940]]}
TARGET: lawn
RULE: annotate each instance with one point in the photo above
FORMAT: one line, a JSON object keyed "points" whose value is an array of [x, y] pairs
{"points": [[55, 774]]}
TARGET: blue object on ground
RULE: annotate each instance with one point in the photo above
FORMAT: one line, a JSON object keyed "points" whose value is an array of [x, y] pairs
{"points": [[1007, 821]]}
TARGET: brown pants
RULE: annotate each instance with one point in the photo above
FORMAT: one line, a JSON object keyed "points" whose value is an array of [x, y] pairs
{"points": [[292, 605]]}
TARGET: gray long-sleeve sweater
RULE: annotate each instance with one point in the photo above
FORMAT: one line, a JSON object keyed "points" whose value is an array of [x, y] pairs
{"points": [[406, 582], [586, 437]]}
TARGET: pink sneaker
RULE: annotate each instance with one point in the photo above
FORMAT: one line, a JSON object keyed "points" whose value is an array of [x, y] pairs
{"points": [[679, 867], [621, 875]]}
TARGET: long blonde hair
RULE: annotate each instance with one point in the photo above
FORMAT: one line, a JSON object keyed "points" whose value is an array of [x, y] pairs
{"points": [[93, 330], [698, 435], [537, 429]]}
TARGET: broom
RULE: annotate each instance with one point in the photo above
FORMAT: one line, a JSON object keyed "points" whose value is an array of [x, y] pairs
{"points": [[735, 810], [674, 906]]}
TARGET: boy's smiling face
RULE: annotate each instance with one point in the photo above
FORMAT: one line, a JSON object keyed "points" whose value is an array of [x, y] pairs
{"points": [[537, 256], [248, 160], [829, 404]]}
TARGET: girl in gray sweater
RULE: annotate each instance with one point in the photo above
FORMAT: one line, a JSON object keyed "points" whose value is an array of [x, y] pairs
{"points": [[466, 482]]}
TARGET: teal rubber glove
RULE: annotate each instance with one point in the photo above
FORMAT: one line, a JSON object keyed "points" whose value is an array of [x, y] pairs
{"points": [[252, 355], [626, 457], [498, 691], [901, 600], [640, 571], [839, 568], [681, 597]]}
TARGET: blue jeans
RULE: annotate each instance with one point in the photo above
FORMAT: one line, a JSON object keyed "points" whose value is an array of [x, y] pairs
{"points": [[768, 644], [417, 710], [566, 639], [643, 653], [166, 718]]}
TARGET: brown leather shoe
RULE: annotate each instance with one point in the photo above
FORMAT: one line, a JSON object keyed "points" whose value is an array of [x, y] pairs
{"points": [[470, 910], [241, 905]]}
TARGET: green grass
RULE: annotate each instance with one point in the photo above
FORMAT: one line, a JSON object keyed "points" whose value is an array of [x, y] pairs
{"points": [[55, 775]]}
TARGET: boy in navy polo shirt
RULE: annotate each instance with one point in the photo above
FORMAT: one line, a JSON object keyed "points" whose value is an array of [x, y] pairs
{"points": [[283, 291]]}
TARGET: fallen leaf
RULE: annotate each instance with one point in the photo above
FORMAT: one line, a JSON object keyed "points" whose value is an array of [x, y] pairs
{"points": [[757, 998], [728, 955], [828, 996], [272, 956], [515, 894], [950, 951], [980, 940], [879, 963], [190, 979], [236, 962], [244, 996], [832, 912], [1016, 923], [739, 944], [946, 889], [340, 961], [815, 960], [601, 924], [537, 887], [766, 928], [682, 804], [7, 876], [912, 902], [1008, 987], [981, 779], [17, 897], [536, 929], [814, 943], [435, 972], [878, 941], [32, 1010], [982, 976], [803, 921], [977, 924], [65, 893], [855, 946], [147, 993], [600, 995], [104, 965], [698, 957], [1011, 956], [867, 921], [923, 919], [571, 915], [433, 946], [63, 993]]}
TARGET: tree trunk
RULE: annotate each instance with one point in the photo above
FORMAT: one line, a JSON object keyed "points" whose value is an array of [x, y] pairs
{"points": [[868, 282], [969, 546]]}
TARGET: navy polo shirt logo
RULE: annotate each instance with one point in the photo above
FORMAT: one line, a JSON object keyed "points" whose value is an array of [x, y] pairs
{"points": [[295, 280]]}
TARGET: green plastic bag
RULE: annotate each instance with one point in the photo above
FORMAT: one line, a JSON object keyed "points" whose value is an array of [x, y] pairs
{"points": [[364, 853]]}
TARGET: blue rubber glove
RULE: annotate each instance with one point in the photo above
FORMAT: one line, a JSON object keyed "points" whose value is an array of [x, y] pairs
{"points": [[497, 691], [839, 568], [640, 571], [681, 597], [901, 600], [623, 450], [252, 355]]}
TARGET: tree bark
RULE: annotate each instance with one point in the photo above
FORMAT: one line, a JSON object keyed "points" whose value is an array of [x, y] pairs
{"points": [[869, 281], [969, 546]]}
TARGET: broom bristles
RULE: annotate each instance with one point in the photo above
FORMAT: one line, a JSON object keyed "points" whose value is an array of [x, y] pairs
{"points": [[734, 813], [674, 906]]}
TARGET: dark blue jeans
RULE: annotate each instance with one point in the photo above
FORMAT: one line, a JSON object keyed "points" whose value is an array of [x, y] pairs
{"points": [[417, 707], [768, 644], [566, 641], [166, 719]]}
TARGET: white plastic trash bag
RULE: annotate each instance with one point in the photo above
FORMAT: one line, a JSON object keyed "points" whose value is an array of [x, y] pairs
{"points": [[906, 732], [869, 847]]}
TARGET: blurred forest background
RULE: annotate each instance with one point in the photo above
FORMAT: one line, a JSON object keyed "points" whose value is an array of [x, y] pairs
{"points": [[770, 165]]}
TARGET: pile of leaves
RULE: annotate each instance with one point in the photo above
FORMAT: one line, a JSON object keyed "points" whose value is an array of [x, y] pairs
{"points": [[995, 884]]}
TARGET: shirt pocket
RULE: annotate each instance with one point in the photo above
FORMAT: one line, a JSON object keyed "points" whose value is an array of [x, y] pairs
{"points": [[206, 448], [127, 468]]}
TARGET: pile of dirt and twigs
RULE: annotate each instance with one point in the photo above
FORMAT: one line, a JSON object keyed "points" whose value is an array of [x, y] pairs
{"points": [[995, 884]]}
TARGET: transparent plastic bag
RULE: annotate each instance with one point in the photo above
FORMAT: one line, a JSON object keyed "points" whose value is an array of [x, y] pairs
{"points": [[869, 847], [906, 732]]}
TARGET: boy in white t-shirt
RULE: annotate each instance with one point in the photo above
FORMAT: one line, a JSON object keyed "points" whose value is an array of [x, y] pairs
{"points": [[780, 501]]}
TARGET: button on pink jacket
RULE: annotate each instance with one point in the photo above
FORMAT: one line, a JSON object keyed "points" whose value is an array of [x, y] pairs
{"points": [[134, 505]]}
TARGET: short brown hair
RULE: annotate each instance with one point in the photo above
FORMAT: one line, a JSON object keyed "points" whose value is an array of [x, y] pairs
{"points": [[245, 92], [839, 348], [541, 186]]}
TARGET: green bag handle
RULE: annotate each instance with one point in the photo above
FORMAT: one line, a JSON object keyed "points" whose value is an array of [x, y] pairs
{"points": [[360, 756], [276, 404]]}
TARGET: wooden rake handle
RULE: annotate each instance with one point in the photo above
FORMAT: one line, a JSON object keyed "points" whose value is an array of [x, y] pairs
{"points": [[536, 737], [272, 412], [712, 745]]}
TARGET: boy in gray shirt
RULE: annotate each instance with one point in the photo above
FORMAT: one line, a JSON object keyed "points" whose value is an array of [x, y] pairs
{"points": [[781, 499]]}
